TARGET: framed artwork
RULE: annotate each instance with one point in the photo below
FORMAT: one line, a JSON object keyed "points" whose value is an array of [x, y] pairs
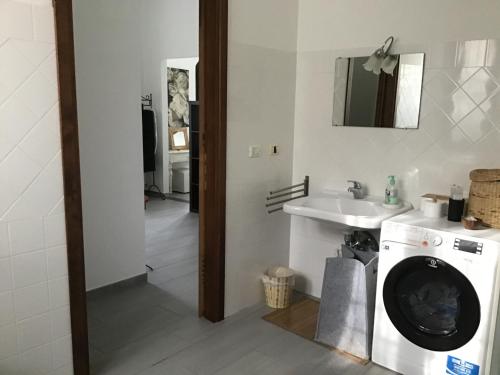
{"points": [[178, 97], [179, 138]]}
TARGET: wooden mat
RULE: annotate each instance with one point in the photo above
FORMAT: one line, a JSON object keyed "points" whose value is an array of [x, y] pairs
{"points": [[301, 318]]}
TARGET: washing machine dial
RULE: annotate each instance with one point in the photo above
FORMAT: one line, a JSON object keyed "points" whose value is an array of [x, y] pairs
{"points": [[436, 241]]}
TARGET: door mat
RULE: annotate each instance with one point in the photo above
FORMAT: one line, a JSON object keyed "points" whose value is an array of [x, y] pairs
{"points": [[301, 318]]}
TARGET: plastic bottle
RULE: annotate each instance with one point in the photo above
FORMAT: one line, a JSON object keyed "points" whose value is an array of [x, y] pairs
{"points": [[391, 192]]}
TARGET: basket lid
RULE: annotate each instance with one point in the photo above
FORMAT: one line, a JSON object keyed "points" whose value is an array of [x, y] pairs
{"points": [[486, 175]]}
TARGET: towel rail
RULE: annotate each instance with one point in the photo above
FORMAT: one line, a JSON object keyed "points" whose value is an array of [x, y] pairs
{"points": [[286, 194], [290, 192]]}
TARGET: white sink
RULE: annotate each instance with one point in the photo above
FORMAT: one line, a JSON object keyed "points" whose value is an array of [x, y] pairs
{"points": [[342, 208]]}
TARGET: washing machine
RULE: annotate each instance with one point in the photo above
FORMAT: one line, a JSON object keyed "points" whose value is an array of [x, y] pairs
{"points": [[437, 298]]}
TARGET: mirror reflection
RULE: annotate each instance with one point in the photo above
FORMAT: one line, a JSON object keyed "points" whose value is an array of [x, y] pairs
{"points": [[365, 99]]}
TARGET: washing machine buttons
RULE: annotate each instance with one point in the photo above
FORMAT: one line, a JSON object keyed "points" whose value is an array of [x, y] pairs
{"points": [[436, 241]]}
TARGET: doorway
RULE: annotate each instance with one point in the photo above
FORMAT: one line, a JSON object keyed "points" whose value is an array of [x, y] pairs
{"points": [[213, 78]]}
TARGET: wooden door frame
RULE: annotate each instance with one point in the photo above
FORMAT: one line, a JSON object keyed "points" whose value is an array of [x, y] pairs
{"points": [[213, 129]]}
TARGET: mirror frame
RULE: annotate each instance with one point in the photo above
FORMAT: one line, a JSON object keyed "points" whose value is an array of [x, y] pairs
{"points": [[171, 132]]}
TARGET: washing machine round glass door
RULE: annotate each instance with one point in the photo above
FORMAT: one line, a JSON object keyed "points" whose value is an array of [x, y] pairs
{"points": [[431, 303]]}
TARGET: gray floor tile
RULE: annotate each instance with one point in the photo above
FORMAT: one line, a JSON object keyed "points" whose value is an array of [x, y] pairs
{"points": [[140, 355], [153, 328], [256, 363]]}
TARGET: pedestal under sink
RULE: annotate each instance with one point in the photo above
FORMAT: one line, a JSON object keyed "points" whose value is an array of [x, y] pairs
{"points": [[342, 208]]}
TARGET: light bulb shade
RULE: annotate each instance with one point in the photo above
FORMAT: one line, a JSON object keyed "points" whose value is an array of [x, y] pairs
{"points": [[389, 63], [373, 64]]}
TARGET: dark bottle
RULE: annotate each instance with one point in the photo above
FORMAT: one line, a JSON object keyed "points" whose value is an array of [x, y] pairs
{"points": [[456, 204]]}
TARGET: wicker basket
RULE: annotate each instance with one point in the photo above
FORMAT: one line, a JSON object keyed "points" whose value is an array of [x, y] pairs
{"points": [[484, 196], [278, 284]]}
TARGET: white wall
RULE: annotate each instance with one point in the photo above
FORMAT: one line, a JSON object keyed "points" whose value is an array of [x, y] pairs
{"points": [[261, 90], [169, 29], [35, 332], [459, 127], [107, 40]]}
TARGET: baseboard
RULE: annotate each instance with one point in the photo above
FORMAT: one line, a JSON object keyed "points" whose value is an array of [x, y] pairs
{"points": [[135, 280]]}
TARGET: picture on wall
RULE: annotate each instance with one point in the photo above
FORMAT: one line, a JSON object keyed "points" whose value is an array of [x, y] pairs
{"points": [[178, 97]]}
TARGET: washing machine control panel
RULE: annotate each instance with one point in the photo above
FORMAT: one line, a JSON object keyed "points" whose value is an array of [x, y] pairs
{"points": [[437, 241], [432, 239], [468, 246], [415, 236]]}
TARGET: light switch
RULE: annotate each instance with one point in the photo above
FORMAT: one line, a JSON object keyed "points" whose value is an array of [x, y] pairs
{"points": [[274, 150], [254, 151]]}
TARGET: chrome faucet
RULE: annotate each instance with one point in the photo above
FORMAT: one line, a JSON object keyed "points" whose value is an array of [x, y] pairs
{"points": [[356, 189]]}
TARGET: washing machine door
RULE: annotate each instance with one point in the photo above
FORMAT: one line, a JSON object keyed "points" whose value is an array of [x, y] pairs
{"points": [[431, 303]]}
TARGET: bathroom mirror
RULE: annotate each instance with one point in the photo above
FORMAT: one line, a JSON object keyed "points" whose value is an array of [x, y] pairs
{"points": [[364, 99]]}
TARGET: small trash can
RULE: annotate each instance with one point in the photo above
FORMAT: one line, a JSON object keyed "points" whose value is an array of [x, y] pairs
{"points": [[348, 302], [278, 284]]}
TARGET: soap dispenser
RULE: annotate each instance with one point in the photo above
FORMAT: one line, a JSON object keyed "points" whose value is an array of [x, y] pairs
{"points": [[391, 192]]}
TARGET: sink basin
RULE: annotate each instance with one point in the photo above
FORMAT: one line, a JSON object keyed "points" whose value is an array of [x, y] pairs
{"points": [[342, 208]]}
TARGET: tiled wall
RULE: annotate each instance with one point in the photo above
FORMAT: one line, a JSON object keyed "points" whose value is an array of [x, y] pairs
{"points": [[261, 82], [459, 131], [35, 335]]}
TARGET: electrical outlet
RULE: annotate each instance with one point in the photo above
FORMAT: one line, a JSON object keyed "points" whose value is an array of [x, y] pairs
{"points": [[254, 151], [274, 150]]}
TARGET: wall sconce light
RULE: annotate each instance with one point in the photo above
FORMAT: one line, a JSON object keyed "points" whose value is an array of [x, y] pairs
{"points": [[380, 60]]}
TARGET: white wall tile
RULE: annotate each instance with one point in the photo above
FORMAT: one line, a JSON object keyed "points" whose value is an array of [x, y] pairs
{"points": [[10, 365], [64, 370], [15, 20], [58, 209], [6, 308], [35, 52], [5, 275], [55, 233], [480, 86], [15, 122], [33, 332], [14, 69], [31, 184], [61, 352], [41, 144], [458, 105], [4, 240], [49, 67], [36, 361], [460, 75], [471, 53], [57, 262], [475, 125], [39, 94], [440, 86], [43, 23], [436, 123], [59, 293], [491, 107], [29, 269], [8, 341], [30, 301], [26, 235], [49, 185], [60, 322], [260, 78], [14, 183]]}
